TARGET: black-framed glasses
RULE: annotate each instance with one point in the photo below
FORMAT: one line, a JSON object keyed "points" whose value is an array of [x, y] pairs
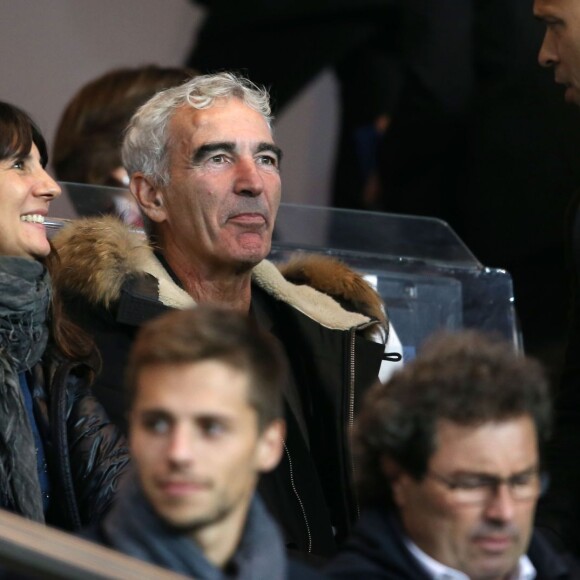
{"points": [[479, 488]]}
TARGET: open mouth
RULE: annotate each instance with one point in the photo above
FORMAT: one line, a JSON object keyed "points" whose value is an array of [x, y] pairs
{"points": [[32, 218]]}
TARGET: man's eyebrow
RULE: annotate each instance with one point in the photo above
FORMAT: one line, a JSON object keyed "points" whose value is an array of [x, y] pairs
{"points": [[208, 148], [225, 418], [547, 18], [528, 470], [265, 146], [155, 412]]}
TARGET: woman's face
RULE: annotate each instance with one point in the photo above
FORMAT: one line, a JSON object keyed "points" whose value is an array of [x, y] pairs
{"points": [[26, 190]]}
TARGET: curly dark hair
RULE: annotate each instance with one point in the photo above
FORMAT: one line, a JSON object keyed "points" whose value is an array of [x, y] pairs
{"points": [[465, 377]]}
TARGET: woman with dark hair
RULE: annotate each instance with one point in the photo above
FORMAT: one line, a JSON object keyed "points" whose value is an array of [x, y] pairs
{"points": [[60, 458]]}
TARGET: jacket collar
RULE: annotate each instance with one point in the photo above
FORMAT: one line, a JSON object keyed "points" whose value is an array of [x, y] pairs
{"points": [[98, 255]]}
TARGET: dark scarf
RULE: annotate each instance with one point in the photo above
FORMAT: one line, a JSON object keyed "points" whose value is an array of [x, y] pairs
{"points": [[24, 303], [134, 529]]}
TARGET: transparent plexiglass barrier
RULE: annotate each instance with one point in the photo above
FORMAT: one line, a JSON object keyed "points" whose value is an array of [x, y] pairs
{"points": [[425, 274]]}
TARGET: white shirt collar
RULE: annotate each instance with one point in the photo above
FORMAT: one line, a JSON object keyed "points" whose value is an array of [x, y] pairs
{"points": [[438, 571]]}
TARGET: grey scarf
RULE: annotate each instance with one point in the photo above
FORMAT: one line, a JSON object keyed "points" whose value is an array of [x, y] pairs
{"points": [[134, 529], [24, 303]]}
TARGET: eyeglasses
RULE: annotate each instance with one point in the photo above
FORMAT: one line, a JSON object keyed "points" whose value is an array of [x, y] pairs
{"points": [[475, 489]]}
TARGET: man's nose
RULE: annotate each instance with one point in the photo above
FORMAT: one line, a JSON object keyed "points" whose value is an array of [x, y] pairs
{"points": [[548, 55], [248, 180], [181, 446], [45, 186], [501, 506]]}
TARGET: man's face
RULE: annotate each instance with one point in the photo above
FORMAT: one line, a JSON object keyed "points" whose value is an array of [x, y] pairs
{"points": [[220, 206], [483, 539], [195, 442], [561, 46]]}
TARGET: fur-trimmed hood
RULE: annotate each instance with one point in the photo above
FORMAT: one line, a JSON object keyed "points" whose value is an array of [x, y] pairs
{"points": [[97, 255]]}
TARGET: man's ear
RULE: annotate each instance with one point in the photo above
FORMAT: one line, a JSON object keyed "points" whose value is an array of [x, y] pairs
{"points": [[271, 445], [396, 477], [149, 197]]}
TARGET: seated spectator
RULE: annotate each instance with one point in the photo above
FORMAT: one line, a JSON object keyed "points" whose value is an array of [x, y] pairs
{"points": [[449, 469], [206, 411], [87, 146], [60, 458], [206, 172]]}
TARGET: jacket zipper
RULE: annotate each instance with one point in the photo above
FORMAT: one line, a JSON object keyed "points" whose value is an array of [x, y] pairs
{"points": [[351, 394], [298, 498]]}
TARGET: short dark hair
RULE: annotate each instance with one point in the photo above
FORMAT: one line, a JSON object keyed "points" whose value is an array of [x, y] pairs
{"points": [[467, 378], [211, 333], [17, 134]]}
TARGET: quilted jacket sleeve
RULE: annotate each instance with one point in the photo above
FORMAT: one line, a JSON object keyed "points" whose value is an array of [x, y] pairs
{"points": [[98, 453], [91, 452]]}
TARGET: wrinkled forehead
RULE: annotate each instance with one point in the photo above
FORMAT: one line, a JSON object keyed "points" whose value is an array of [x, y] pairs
{"points": [[225, 120]]}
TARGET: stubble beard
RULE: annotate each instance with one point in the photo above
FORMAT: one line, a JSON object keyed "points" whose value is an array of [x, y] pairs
{"points": [[197, 524]]}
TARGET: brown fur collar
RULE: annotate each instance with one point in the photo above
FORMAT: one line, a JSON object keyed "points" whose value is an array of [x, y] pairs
{"points": [[98, 254], [336, 279]]}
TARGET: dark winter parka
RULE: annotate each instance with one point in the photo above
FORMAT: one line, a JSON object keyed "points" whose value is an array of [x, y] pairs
{"points": [[112, 282]]}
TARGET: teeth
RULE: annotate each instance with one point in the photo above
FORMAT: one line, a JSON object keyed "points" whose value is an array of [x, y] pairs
{"points": [[35, 218]]}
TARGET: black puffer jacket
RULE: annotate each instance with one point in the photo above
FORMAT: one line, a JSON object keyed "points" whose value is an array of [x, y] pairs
{"points": [[85, 453]]}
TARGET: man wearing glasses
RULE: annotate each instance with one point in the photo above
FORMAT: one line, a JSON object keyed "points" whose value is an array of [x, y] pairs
{"points": [[447, 458]]}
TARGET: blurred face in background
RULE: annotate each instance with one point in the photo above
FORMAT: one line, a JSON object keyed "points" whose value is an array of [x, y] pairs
{"points": [[473, 511], [196, 443]]}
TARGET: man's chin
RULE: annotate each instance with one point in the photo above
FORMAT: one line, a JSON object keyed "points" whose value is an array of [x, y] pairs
{"points": [[572, 95], [498, 566], [244, 268], [248, 258], [187, 527], [193, 523]]}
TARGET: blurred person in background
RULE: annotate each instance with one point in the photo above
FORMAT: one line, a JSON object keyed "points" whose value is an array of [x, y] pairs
{"points": [[87, 145], [449, 469], [206, 419], [559, 510]]}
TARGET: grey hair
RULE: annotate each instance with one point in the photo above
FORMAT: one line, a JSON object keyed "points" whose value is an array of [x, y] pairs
{"points": [[145, 145]]}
